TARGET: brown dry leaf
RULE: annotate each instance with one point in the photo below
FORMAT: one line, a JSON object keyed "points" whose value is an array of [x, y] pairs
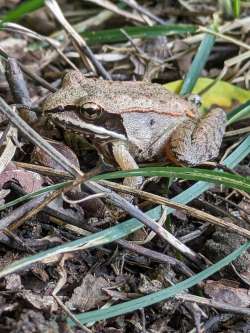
{"points": [[89, 294], [40, 21], [223, 242], [39, 156], [13, 282], [14, 46], [159, 326], [148, 286], [40, 273], [34, 322], [39, 302], [224, 293], [28, 180]]}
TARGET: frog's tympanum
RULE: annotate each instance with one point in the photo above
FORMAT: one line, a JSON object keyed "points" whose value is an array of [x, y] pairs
{"points": [[130, 122]]}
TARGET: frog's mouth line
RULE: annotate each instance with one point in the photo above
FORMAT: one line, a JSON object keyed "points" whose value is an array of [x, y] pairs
{"points": [[67, 120]]}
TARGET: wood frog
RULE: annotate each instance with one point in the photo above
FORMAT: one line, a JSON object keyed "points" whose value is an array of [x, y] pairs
{"points": [[130, 122]]}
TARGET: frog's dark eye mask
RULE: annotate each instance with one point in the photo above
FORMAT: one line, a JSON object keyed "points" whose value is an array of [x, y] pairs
{"points": [[73, 121]]}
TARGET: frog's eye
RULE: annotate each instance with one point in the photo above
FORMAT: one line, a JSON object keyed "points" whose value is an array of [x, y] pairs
{"points": [[195, 99], [91, 111]]}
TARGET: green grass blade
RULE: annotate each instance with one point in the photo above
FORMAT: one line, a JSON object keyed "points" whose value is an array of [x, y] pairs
{"points": [[116, 35], [236, 8], [240, 114], [216, 177], [226, 8], [25, 7], [34, 194], [100, 238], [198, 64], [237, 110], [124, 229], [159, 296]]}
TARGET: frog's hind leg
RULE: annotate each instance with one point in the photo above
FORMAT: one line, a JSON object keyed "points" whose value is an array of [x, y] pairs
{"points": [[197, 141], [126, 162]]}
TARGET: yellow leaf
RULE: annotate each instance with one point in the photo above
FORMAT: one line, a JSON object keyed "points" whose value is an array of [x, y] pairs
{"points": [[222, 93]]}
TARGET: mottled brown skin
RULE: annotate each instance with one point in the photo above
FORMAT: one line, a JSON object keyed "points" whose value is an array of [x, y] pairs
{"points": [[136, 121]]}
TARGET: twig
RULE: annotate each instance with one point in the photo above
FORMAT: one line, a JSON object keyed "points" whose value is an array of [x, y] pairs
{"points": [[144, 11], [194, 234], [43, 170], [239, 131], [151, 235], [8, 26], [19, 212], [189, 210], [87, 198], [114, 8], [80, 27], [19, 90], [38, 205], [30, 74], [90, 62], [159, 257], [118, 201], [225, 37], [61, 282], [215, 304], [37, 78], [230, 202], [131, 246], [236, 24], [17, 83], [32, 135]]}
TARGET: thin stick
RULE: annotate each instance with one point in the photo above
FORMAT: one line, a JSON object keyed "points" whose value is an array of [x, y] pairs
{"points": [[214, 304], [144, 11], [225, 37], [30, 74], [91, 62], [115, 9], [187, 209], [32, 135]]}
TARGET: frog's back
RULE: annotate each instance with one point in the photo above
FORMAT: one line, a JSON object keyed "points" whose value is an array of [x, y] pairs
{"points": [[118, 96], [150, 113], [134, 96]]}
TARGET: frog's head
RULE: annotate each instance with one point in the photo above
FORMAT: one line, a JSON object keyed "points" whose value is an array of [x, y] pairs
{"points": [[68, 95], [91, 123], [73, 109]]}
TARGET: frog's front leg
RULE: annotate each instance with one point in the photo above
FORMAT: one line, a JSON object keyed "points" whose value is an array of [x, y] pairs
{"points": [[196, 141], [126, 161]]}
